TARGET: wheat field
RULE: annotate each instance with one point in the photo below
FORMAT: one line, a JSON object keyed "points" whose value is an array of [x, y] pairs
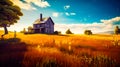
{"points": [[42, 50]]}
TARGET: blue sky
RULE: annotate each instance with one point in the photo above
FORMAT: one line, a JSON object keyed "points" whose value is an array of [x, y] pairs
{"points": [[77, 15]]}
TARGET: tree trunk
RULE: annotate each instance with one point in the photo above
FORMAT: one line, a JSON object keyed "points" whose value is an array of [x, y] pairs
{"points": [[5, 30]]}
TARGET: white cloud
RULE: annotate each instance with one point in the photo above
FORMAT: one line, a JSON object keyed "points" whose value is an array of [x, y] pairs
{"points": [[28, 4], [23, 5], [66, 7], [40, 3], [95, 27], [113, 21], [79, 28], [69, 14], [73, 13], [55, 14]]}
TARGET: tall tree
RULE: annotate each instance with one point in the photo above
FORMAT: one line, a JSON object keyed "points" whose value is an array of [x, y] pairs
{"points": [[9, 14]]}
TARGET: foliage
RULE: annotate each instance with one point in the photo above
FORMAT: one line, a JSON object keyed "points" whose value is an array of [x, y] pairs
{"points": [[30, 29], [68, 32], [88, 32], [117, 30], [57, 32], [9, 14], [23, 31]]}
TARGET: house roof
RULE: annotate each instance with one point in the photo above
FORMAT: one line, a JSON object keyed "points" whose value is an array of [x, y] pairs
{"points": [[43, 20]]}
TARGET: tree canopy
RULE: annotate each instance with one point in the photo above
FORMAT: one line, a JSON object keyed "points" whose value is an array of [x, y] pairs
{"points": [[116, 30], [9, 14], [30, 29], [68, 32], [88, 32]]}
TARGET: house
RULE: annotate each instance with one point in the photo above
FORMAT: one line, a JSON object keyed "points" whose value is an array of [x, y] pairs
{"points": [[43, 25]]}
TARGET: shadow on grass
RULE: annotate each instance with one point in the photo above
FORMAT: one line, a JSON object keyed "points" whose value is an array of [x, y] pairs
{"points": [[9, 41], [12, 52]]}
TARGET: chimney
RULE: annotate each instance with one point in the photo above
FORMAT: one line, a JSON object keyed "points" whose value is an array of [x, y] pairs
{"points": [[41, 17]]}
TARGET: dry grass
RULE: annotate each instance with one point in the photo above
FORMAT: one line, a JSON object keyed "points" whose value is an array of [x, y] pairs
{"points": [[40, 50]]}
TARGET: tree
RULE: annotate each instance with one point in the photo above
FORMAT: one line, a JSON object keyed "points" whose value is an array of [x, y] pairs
{"points": [[24, 30], [57, 32], [117, 30], [88, 32], [68, 32], [30, 29], [9, 14]]}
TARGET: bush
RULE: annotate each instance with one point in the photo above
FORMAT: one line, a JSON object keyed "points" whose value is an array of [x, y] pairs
{"points": [[68, 32], [30, 29], [23, 31], [117, 30], [88, 32], [57, 32]]}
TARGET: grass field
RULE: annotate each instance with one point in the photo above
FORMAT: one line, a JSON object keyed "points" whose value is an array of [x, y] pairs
{"points": [[42, 50]]}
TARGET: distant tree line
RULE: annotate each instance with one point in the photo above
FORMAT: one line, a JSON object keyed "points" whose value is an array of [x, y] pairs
{"points": [[68, 31]]}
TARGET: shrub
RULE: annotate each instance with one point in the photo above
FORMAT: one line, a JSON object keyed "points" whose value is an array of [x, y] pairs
{"points": [[23, 31], [117, 30], [88, 32], [57, 32], [68, 32], [30, 29]]}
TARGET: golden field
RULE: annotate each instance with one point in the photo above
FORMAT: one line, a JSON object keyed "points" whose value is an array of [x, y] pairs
{"points": [[42, 50]]}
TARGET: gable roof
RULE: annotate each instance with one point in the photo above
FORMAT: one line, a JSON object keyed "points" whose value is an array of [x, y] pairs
{"points": [[43, 20]]}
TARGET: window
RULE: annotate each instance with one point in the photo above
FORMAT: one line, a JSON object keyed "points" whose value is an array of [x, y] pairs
{"points": [[37, 26]]}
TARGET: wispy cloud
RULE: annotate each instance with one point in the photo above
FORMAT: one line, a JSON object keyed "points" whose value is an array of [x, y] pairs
{"points": [[73, 13], [55, 14], [22, 5], [113, 21], [28, 4], [70, 14], [67, 14], [40, 3], [66, 7]]}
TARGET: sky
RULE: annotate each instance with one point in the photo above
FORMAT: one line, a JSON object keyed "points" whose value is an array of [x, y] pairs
{"points": [[76, 15]]}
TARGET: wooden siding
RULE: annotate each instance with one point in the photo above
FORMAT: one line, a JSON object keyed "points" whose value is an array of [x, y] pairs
{"points": [[47, 27]]}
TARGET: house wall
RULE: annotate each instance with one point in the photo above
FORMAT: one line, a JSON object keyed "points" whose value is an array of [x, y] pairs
{"points": [[48, 25]]}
